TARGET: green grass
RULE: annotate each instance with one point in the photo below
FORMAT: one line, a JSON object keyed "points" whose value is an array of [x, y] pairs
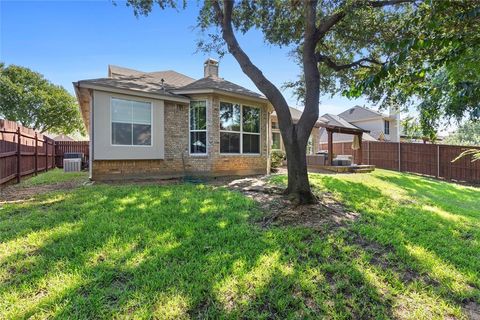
{"points": [[193, 251], [52, 177]]}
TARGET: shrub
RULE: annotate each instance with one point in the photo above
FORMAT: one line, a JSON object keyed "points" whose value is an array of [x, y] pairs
{"points": [[276, 158]]}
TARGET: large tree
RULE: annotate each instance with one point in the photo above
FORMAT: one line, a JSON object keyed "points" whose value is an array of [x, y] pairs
{"points": [[467, 134], [28, 98], [436, 70], [330, 36]]}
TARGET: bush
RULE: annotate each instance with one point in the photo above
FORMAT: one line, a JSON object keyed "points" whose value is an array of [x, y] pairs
{"points": [[276, 158]]}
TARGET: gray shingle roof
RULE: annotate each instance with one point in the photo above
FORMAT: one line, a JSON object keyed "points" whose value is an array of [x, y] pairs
{"points": [[358, 113], [216, 83], [338, 121], [172, 78], [130, 79], [143, 83], [296, 114]]}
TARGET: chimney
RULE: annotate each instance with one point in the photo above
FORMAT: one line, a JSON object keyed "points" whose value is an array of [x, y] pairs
{"points": [[210, 68]]}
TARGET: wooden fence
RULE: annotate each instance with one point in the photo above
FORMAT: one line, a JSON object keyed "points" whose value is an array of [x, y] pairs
{"points": [[69, 146], [427, 159], [25, 152]]}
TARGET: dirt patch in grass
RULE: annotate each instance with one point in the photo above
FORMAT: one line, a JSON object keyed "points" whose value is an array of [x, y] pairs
{"points": [[280, 211], [14, 193]]}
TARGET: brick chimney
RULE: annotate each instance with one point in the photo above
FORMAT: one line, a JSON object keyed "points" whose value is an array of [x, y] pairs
{"points": [[210, 68]]}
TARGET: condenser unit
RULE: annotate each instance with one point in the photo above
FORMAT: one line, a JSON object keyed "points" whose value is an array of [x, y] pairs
{"points": [[72, 165]]}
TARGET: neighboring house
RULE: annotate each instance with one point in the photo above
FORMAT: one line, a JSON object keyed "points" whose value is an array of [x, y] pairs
{"points": [[63, 137], [381, 127], [165, 124], [313, 142]]}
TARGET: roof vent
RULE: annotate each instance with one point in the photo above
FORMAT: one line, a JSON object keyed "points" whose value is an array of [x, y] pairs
{"points": [[351, 110], [210, 68]]}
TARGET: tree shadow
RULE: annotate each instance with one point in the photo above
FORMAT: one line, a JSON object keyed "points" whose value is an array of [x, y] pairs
{"points": [[425, 240], [176, 251]]}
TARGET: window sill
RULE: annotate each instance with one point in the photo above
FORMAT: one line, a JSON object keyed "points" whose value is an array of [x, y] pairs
{"points": [[240, 155]]}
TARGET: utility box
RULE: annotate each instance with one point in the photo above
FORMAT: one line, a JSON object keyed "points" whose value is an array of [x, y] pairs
{"points": [[72, 161], [72, 165]]}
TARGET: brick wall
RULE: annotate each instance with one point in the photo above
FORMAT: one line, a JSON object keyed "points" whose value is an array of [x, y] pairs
{"points": [[177, 161]]}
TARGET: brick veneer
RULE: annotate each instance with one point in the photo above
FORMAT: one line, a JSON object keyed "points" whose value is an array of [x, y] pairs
{"points": [[178, 162]]}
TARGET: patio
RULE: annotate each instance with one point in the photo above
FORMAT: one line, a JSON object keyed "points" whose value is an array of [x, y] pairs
{"points": [[340, 163]]}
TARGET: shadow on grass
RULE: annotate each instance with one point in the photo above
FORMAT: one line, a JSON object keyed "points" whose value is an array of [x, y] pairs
{"points": [[431, 237], [173, 252]]}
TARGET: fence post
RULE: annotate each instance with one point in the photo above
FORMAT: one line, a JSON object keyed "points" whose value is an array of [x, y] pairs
{"points": [[438, 161], [45, 141], [399, 157], [36, 153], [368, 152], [54, 159], [19, 154]]}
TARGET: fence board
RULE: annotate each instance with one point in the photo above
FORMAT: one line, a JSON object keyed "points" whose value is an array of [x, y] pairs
{"points": [[33, 153], [427, 159]]}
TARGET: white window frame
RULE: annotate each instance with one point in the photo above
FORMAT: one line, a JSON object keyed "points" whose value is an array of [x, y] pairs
{"points": [[241, 132], [190, 130], [151, 125]]}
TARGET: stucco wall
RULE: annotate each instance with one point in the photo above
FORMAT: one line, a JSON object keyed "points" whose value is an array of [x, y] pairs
{"points": [[102, 130]]}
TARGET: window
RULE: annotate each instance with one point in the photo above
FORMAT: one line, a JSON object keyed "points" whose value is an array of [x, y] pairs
{"points": [[276, 140], [239, 129], [275, 125], [198, 127], [131, 122], [251, 129], [386, 126]]}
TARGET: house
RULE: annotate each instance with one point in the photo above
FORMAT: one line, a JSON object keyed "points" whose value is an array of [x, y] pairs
{"points": [[166, 124], [63, 137], [381, 127]]}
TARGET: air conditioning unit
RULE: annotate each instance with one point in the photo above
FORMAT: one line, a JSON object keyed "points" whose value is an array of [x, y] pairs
{"points": [[72, 165]]}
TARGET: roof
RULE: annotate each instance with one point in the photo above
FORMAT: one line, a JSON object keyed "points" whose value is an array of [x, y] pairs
{"points": [[142, 83], [63, 137], [174, 83], [339, 121], [358, 113], [172, 78], [217, 83], [296, 114]]}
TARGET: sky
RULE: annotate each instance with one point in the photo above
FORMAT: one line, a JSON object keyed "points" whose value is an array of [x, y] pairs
{"points": [[68, 41]]}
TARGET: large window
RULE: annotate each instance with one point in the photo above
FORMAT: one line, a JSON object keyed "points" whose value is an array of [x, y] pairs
{"points": [[386, 126], [239, 129], [131, 122], [198, 127]]}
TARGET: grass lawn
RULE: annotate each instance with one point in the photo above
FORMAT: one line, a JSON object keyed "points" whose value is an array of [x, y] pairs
{"points": [[194, 251]]}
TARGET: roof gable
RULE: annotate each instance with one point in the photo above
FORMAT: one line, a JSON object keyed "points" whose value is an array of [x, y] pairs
{"points": [[359, 113]]}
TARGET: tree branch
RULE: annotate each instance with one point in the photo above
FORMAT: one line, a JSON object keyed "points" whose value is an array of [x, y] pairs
{"points": [[272, 93], [339, 67], [329, 22], [312, 75]]}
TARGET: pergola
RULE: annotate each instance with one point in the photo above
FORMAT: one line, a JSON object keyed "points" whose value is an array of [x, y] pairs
{"points": [[331, 129]]}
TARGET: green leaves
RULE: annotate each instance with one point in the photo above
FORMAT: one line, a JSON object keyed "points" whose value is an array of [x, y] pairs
{"points": [[28, 98]]}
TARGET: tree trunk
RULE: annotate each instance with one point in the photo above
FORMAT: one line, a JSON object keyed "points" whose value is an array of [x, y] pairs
{"points": [[298, 189]]}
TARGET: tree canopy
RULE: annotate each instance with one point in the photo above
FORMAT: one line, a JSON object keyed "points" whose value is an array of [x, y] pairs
{"points": [[28, 98], [435, 69], [371, 47], [467, 134]]}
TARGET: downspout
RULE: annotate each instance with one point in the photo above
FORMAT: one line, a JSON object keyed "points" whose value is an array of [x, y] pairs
{"points": [[269, 139], [91, 131]]}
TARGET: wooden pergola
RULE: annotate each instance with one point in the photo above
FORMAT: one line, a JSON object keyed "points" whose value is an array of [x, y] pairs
{"points": [[331, 129]]}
